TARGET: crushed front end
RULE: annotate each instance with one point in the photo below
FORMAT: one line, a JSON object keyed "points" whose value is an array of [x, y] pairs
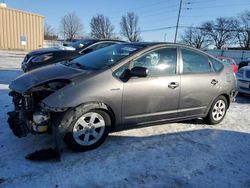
{"points": [[29, 116]]}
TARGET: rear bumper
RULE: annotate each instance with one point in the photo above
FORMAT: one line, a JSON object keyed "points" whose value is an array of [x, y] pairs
{"points": [[243, 86], [244, 90]]}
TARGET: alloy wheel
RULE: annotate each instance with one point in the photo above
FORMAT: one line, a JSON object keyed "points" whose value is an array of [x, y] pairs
{"points": [[88, 129], [219, 110]]}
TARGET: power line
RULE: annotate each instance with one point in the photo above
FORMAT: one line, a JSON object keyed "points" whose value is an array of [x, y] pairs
{"points": [[198, 2], [144, 9], [151, 13], [216, 29], [141, 7], [193, 27], [158, 29], [208, 7]]}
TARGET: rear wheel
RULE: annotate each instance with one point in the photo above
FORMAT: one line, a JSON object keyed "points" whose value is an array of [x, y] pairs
{"points": [[88, 130], [217, 111]]}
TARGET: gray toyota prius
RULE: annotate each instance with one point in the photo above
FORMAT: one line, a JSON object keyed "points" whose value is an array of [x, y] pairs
{"points": [[120, 87]]}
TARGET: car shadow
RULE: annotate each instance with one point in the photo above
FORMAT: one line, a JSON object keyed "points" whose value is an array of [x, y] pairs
{"points": [[198, 121]]}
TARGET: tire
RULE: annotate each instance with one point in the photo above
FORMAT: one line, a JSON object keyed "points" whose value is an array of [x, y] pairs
{"points": [[87, 130], [217, 111]]}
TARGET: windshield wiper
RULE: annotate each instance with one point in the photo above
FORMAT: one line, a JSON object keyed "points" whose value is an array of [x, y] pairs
{"points": [[84, 67], [79, 65], [67, 63]]}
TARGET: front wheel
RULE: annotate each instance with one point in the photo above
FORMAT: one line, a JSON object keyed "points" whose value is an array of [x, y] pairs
{"points": [[88, 130], [217, 111]]}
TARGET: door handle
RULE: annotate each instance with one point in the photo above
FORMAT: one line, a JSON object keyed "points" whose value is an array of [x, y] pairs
{"points": [[214, 81], [173, 85]]}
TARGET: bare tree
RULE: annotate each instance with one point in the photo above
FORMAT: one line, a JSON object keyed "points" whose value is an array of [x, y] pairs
{"points": [[71, 26], [101, 27], [195, 37], [221, 31], [243, 35], [49, 32], [129, 27]]}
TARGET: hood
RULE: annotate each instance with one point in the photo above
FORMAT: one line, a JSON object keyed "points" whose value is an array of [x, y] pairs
{"points": [[51, 50], [48, 73]]}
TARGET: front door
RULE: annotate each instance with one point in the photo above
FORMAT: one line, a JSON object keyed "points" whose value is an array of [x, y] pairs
{"points": [[155, 97]]}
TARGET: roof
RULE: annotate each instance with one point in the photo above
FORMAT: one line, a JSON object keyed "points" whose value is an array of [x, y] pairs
{"points": [[245, 67], [22, 11], [245, 61], [148, 44], [223, 57], [98, 40]]}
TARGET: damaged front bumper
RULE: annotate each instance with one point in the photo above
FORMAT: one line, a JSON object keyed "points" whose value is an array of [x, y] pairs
{"points": [[27, 117]]}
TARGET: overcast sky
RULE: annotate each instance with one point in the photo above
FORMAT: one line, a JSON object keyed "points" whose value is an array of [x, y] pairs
{"points": [[153, 14]]}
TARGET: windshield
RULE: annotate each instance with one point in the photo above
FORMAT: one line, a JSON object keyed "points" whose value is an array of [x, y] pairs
{"points": [[81, 43], [105, 57]]}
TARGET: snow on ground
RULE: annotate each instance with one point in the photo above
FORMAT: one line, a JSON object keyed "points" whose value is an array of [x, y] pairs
{"points": [[11, 59], [186, 154]]}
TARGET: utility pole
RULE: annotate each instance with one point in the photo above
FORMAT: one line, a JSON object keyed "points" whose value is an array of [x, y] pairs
{"points": [[177, 24]]}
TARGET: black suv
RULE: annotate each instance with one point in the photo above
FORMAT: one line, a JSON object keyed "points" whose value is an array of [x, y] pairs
{"points": [[47, 56]]}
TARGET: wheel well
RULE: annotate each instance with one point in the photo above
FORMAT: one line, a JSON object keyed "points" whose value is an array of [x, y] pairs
{"points": [[105, 108], [110, 112], [227, 97]]}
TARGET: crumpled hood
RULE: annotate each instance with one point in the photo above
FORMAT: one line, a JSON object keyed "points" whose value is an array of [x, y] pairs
{"points": [[52, 72], [51, 50]]}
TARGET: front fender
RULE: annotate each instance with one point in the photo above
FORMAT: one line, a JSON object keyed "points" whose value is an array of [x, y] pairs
{"points": [[101, 88]]}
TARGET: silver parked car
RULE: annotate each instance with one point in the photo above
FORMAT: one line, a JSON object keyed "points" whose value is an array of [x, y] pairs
{"points": [[120, 87], [243, 80]]}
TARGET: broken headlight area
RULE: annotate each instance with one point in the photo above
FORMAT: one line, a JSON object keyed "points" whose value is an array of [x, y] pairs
{"points": [[29, 116]]}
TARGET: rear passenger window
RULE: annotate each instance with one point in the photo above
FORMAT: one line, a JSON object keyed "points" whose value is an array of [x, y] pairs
{"points": [[218, 66], [194, 62]]}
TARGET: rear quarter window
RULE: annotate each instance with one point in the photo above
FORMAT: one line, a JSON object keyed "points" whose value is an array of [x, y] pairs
{"points": [[217, 65]]}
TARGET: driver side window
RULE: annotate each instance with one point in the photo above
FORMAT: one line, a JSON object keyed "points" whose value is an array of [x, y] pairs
{"points": [[161, 62]]}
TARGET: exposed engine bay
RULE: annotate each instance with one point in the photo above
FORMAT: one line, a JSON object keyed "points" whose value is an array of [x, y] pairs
{"points": [[29, 116]]}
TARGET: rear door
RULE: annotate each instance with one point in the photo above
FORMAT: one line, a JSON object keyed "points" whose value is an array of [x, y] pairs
{"points": [[156, 97], [199, 83]]}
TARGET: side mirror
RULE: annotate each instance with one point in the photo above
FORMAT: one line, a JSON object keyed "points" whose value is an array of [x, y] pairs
{"points": [[139, 72]]}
